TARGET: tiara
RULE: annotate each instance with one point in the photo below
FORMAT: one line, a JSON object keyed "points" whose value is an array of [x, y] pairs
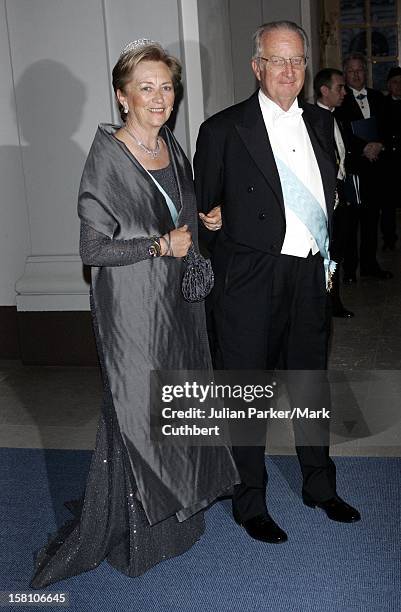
{"points": [[138, 44]]}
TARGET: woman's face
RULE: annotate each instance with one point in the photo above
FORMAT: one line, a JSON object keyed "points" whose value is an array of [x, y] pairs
{"points": [[149, 95]]}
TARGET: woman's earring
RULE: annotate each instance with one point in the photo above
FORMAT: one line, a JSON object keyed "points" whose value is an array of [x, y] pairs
{"points": [[125, 109]]}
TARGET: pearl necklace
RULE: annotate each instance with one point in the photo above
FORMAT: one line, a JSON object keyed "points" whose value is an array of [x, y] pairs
{"points": [[154, 153]]}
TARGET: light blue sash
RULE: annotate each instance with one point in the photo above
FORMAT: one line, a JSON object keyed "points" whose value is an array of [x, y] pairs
{"points": [[169, 201], [305, 206]]}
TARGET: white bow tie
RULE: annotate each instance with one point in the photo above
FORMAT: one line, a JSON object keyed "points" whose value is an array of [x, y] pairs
{"points": [[294, 114]]}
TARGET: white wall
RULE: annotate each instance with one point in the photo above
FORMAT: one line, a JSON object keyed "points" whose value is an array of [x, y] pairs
{"points": [[14, 227], [216, 55], [61, 84], [244, 19], [275, 10], [55, 65]]}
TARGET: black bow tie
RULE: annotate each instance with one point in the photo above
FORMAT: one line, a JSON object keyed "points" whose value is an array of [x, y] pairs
{"points": [[360, 96]]}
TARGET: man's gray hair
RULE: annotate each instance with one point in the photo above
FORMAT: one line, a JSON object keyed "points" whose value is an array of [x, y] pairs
{"points": [[272, 26], [355, 56]]}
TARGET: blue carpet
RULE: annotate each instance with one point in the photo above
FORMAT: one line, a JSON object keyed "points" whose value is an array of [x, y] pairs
{"points": [[323, 566]]}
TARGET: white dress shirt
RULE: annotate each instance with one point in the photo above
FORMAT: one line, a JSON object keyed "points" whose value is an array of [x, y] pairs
{"points": [[363, 104], [290, 142]]}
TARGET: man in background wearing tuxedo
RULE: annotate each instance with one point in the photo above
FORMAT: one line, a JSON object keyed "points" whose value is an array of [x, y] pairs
{"points": [[270, 164], [362, 102], [329, 87], [391, 126]]}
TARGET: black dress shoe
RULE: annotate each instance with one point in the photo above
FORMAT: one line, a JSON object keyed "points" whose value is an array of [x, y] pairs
{"points": [[378, 273], [263, 528], [349, 279], [335, 508], [343, 313]]}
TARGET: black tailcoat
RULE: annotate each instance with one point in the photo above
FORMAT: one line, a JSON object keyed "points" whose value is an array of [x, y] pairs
{"points": [[234, 164], [252, 308], [350, 111]]}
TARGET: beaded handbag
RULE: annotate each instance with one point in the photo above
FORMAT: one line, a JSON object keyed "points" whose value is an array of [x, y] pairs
{"points": [[198, 279]]}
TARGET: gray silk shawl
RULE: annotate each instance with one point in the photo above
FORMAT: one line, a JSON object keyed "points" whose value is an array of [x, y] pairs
{"points": [[143, 323]]}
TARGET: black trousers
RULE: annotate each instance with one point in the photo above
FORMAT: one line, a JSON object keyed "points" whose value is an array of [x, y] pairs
{"points": [[341, 236], [390, 199], [366, 216], [272, 313]]}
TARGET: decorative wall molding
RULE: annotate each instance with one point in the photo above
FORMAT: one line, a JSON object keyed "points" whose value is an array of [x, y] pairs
{"points": [[53, 282]]}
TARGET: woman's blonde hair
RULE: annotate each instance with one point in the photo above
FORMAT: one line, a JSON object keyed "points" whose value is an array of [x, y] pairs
{"points": [[129, 60]]}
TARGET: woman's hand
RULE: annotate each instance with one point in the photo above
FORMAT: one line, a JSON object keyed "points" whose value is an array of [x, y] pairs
{"points": [[212, 221], [177, 242]]}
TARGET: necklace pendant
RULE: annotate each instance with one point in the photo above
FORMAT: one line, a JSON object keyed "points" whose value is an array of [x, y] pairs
{"points": [[153, 153]]}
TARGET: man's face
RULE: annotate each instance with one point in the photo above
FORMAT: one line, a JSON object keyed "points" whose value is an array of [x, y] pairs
{"points": [[355, 74], [394, 86], [281, 84], [333, 95]]}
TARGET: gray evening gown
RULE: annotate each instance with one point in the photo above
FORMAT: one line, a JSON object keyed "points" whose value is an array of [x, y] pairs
{"points": [[143, 500]]}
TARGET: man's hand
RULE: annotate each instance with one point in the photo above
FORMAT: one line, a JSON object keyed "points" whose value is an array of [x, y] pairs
{"points": [[372, 150], [212, 221]]}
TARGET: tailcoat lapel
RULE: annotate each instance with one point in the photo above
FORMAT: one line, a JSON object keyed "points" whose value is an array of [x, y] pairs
{"points": [[253, 133], [325, 162], [355, 112]]}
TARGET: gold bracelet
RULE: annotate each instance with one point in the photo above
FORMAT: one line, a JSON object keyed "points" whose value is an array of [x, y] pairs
{"points": [[155, 249]]}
